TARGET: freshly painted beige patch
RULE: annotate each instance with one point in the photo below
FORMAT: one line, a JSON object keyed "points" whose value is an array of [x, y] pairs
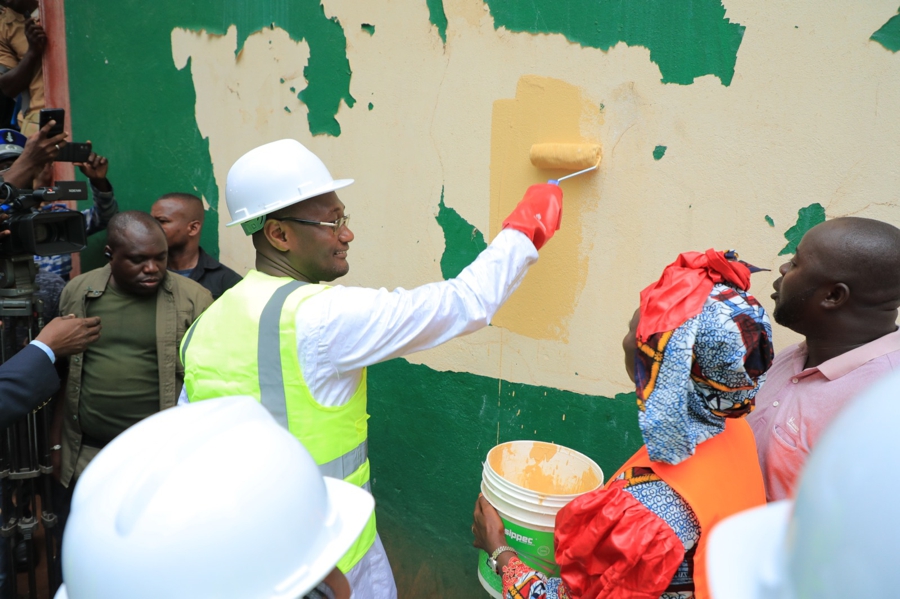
{"points": [[544, 110]]}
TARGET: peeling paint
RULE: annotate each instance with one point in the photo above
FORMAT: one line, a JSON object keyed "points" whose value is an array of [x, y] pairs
{"points": [[368, 28], [770, 221], [462, 241], [889, 34], [659, 152], [807, 218], [686, 38], [438, 17], [117, 101], [328, 69]]}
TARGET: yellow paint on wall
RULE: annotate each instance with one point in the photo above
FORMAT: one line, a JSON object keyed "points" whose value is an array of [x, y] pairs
{"points": [[545, 110]]}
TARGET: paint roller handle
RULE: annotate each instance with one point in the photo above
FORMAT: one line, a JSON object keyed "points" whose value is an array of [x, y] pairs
{"points": [[539, 213], [587, 170]]}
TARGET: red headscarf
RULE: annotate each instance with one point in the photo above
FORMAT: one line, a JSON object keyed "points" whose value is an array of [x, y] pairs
{"points": [[681, 291]]}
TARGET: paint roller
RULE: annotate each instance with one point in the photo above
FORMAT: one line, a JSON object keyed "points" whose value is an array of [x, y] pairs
{"points": [[581, 157]]}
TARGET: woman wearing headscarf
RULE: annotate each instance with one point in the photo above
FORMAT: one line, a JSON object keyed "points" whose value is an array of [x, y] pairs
{"points": [[697, 349]]}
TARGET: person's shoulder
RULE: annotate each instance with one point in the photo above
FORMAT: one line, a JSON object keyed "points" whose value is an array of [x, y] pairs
{"points": [[93, 279], [184, 284], [190, 290]]}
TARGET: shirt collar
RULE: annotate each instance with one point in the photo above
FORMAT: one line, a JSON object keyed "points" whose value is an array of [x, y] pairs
{"points": [[206, 261], [847, 362]]}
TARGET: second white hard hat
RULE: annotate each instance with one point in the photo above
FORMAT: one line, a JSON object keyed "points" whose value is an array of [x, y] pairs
{"points": [[273, 176], [841, 536], [213, 499]]}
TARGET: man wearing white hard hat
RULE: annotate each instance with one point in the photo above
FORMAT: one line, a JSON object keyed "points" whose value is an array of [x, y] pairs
{"points": [[302, 347], [840, 537], [153, 519]]}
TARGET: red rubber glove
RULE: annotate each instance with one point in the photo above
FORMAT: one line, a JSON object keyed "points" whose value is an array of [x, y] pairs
{"points": [[538, 214]]}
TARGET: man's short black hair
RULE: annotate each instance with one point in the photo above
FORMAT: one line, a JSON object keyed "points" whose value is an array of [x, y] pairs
{"points": [[190, 201]]}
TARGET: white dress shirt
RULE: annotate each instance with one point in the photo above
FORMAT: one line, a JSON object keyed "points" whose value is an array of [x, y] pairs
{"points": [[344, 329]]}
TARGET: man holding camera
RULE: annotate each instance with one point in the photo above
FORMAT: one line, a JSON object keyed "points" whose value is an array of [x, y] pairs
{"points": [[13, 146]]}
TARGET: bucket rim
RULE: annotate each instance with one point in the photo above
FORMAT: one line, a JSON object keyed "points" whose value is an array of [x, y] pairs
{"points": [[573, 452]]}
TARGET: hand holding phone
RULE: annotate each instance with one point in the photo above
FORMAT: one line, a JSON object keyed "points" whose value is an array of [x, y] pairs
{"points": [[53, 114], [74, 152]]}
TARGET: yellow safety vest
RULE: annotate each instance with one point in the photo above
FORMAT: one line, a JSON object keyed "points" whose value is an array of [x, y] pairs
{"points": [[246, 344]]}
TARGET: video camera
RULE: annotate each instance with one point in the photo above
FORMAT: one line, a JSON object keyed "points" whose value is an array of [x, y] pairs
{"points": [[25, 463], [38, 233]]}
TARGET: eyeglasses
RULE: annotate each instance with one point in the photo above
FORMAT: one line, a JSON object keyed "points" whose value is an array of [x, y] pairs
{"points": [[335, 225]]}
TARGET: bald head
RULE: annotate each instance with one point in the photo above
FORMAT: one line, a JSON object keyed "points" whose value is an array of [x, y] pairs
{"points": [[125, 226], [862, 253], [842, 287], [136, 247], [190, 205]]}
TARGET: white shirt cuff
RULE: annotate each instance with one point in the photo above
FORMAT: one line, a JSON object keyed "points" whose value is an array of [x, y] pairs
{"points": [[46, 349]]}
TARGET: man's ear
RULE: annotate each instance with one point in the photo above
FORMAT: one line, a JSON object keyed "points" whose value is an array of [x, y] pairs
{"points": [[838, 296], [194, 228], [276, 234], [107, 251]]}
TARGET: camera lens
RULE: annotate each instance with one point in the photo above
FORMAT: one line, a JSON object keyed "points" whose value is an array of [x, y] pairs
{"points": [[45, 233]]}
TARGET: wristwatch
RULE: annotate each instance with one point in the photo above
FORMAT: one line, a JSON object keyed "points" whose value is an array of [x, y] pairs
{"points": [[492, 559]]}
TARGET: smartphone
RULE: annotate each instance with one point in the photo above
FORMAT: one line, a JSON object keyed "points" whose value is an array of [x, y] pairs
{"points": [[53, 114], [74, 152]]}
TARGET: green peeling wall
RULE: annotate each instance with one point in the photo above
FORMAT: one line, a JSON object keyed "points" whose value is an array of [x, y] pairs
{"points": [[748, 147], [136, 108], [686, 38]]}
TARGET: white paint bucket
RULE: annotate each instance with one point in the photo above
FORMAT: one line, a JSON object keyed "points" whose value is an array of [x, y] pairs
{"points": [[528, 482]]}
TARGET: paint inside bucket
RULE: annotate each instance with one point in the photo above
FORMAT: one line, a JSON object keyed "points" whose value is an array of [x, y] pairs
{"points": [[528, 482]]}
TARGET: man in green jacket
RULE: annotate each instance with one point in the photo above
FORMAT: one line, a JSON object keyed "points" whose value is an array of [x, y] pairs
{"points": [[134, 369]]}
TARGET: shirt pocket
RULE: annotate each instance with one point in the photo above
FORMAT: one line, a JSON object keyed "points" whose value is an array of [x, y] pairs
{"points": [[786, 437]]}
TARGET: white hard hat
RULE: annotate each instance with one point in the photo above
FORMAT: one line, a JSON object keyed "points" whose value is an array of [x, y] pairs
{"points": [[841, 536], [273, 176], [213, 499]]}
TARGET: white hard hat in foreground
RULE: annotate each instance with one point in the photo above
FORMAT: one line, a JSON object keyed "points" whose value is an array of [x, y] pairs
{"points": [[213, 499], [273, 176], [841, 536]]}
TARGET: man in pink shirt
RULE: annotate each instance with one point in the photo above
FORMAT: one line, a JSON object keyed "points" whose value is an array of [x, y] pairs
{"points": [[841, 290]]}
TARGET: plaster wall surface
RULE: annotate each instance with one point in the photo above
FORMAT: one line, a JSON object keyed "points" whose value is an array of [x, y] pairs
{"points": [[716, 130]]}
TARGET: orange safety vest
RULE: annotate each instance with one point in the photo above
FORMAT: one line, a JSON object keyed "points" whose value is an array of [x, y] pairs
{"points": [[720, 479]]}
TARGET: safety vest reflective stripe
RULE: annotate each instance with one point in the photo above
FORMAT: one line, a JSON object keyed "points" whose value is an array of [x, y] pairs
{"points": [[268, 354], [343, 466], [220, 360]]}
